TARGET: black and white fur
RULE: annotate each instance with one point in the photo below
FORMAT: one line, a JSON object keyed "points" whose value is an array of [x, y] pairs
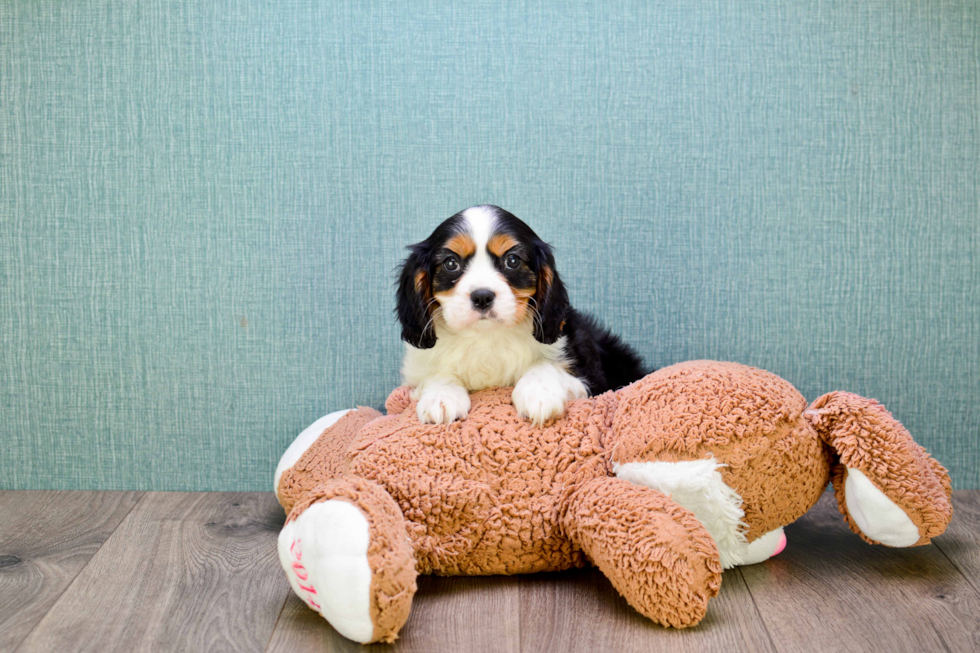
{"points": [[474, 316]]}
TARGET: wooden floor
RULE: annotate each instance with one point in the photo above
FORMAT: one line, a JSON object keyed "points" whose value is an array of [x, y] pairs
{"points": [[131, 571]]}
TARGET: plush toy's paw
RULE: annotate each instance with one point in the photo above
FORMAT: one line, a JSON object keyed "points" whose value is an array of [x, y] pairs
{"points": [[324, 553], [345, 551], [443, 404], [542, 392], [888, 488], [879, 518], [699, 486], [763, 547]]}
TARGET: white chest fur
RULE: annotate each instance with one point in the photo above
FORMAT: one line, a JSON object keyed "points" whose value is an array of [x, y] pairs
{"points": [[479, 358]]}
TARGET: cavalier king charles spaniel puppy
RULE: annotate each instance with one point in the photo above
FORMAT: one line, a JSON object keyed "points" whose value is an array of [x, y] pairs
{"points": [[481, 305]]}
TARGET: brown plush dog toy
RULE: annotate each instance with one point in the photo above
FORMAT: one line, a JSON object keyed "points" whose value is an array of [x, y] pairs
{"points": [[693, 469]]}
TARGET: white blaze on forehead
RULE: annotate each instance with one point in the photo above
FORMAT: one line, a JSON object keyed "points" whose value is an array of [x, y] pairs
{"points": [[480, 221], [480, 274]]}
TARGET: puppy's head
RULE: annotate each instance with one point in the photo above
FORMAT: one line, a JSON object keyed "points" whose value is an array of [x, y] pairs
{"points": [[481, 269]]}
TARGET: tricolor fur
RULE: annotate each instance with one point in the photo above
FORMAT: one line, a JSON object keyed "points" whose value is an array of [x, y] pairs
{"points": [[481, 305]]}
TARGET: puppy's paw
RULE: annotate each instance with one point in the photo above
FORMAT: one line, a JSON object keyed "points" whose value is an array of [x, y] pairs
{"points": [[542, 392], [443, 404]]}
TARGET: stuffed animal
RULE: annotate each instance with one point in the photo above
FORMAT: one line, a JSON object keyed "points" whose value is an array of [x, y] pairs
{"points": [[662, 484]]}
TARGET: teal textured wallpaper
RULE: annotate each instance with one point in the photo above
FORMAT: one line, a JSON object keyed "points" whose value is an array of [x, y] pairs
{"points": [[202, 204]]}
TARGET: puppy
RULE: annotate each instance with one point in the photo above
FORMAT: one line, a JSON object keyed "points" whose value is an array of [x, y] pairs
{"points": [[481, 305]]}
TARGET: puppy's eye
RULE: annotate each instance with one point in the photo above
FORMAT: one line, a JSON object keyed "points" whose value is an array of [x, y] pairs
{"points": [[512, 262], [451, 265]]}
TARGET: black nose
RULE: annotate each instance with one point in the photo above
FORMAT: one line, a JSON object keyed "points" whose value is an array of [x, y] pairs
{"points": [[482, 299]]}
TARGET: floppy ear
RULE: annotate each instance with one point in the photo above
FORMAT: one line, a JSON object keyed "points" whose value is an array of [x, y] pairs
{"points": [[550, 298], [414, 300]]}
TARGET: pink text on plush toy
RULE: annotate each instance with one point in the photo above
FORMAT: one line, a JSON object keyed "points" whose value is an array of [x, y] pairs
{"points": [[296, 551]]}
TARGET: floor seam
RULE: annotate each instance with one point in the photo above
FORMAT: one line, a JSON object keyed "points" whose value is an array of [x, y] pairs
{"points": [[520, 594], [758, 612], [969, 581], [20, 644], [282, 609]]}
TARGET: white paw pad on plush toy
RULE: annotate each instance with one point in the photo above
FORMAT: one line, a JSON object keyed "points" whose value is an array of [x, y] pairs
{"points": [[324, 553]]}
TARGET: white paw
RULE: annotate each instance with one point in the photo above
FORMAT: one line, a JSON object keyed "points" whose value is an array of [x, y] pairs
{"points": [[876, 515], [443, 404], [542, 392], [324, 553]]}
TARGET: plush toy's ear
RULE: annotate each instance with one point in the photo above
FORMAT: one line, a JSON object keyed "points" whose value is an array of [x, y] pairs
{"points": [[550, 297], [415, 300]]}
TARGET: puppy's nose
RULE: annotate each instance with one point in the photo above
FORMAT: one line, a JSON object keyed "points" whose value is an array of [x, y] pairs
{"points": [[482, 299]]}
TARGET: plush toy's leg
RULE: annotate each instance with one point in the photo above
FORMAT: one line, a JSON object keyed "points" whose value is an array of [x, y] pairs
{"points": [[346, 553], [656, 553], [698, 486], [318, 454], [303, 442], [888, 488]]}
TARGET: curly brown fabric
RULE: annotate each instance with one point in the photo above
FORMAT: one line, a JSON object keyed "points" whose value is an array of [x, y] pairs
{"points": [[747, 418], [654, 552], [325, 459], [399, 399], [482, 496], [866, 437]]}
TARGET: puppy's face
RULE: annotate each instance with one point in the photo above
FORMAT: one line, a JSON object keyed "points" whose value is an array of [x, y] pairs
{"points": [[482, 268], [482, 274]]}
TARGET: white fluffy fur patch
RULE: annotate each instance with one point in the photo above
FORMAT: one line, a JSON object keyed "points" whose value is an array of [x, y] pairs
{"points": [[697, 485], [479, 358]]}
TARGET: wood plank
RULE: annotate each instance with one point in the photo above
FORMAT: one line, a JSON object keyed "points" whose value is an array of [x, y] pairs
{"points": [[961, 541], [448, 614], [581, 611], [183, 572], [46, 539], [829, 590]]}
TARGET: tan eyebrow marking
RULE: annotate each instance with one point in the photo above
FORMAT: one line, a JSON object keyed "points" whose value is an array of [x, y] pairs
{"points": [[499, 244], [462, 244]]}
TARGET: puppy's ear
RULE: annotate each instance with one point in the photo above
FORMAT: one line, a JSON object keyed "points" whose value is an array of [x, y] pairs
{"points": [[550, 298], [415, 299]]}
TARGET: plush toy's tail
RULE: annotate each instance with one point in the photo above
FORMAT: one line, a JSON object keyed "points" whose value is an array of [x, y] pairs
{"points": [[888, 488]]}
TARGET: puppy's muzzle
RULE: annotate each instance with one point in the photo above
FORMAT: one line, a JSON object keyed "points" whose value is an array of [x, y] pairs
{"points": [[482, 299]]}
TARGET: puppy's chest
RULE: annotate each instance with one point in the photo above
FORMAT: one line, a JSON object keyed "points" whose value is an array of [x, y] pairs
{"points": [[493, 359]]}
